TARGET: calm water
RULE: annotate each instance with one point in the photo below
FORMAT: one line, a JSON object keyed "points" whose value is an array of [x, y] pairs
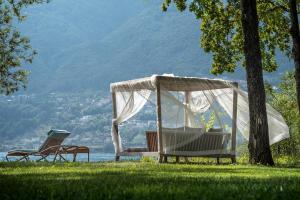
{"points": [[94, 157]]}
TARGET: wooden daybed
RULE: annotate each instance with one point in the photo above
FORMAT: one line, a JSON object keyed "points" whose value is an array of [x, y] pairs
{"points": [[209, 144]]}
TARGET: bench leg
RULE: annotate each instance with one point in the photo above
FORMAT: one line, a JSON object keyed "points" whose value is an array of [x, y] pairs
{"points": [[177, 159], [160, 159], [165, 159], [88, 156], [27, 158], [74, 157], [117, 158], [55, 157], [233, 160], [218, 160]]}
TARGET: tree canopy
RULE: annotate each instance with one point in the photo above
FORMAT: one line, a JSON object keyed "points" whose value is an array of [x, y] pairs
{"points": [[221, 30], [15, 49]]}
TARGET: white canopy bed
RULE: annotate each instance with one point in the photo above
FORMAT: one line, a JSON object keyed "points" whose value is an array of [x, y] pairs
{"points": [[181, 103]]}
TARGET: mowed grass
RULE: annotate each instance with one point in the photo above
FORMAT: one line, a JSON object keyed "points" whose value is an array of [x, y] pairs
{"points": [[146, 180]]}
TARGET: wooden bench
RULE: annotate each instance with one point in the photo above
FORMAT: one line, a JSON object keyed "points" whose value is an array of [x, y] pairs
{"points": [[180, 144]]}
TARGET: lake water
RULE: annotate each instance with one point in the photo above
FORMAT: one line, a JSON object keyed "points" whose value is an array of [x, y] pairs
{"points": [[94, 157]]}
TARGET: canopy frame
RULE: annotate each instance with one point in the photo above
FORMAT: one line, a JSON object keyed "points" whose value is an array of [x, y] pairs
{"points": [[155, 83]]}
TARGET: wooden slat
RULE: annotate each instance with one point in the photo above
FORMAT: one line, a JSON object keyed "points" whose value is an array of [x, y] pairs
{"points": [[151, 137]]}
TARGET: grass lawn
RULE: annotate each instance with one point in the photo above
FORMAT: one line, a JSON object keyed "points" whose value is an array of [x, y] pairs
{"points": [[146, 180]]}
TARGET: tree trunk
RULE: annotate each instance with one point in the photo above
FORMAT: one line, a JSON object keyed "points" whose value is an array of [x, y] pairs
{"points": [[296, 44], [259, 147]]}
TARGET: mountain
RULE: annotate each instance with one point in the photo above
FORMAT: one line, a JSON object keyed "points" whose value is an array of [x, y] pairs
{"points": [[82, 47], [85, 45]]}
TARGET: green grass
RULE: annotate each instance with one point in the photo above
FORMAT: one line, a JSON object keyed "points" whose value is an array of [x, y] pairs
{"points": [[146, 180]]}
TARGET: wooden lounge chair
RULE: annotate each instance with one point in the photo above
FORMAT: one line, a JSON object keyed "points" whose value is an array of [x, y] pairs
{"points": [[51, 146]]}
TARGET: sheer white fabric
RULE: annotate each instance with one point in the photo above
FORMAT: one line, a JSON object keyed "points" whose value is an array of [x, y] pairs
{"points": [[185, 102], [199, 102], [175, 113], [278, 129], [128, 104]]}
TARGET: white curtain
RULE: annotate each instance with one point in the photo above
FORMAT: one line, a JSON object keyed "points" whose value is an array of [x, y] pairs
{"points": [[128, 104], [178, 113], [278, 129], [199, 102]]}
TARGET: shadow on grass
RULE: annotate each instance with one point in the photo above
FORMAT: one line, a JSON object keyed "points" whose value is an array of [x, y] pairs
{"points": [[144, 181], [142, 167]]}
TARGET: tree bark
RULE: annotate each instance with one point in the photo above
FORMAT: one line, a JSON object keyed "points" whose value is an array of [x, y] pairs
{"points": [[259, 147], [296, 44]]}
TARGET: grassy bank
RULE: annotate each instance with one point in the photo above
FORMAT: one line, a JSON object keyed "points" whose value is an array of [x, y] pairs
{"points": [[146, 180]]}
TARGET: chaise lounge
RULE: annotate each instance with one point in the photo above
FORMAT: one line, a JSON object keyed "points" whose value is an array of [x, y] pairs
{"points": [[52, 146]]}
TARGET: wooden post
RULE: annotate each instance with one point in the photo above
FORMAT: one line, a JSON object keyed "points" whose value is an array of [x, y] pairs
{"points": [[234, 120], [159, 128], [114, 105], [186, 101], [186, 120]]}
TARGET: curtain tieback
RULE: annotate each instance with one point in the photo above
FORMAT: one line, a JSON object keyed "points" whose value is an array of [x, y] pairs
{"points": [[114, 121]]}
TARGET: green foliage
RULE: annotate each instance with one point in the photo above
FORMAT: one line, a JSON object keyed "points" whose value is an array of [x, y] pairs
{"points": [[284, 100], [287, 160], [146, 180], [148, 159], [15, 49], [222, 31], [211, 121], [279, 159]]}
